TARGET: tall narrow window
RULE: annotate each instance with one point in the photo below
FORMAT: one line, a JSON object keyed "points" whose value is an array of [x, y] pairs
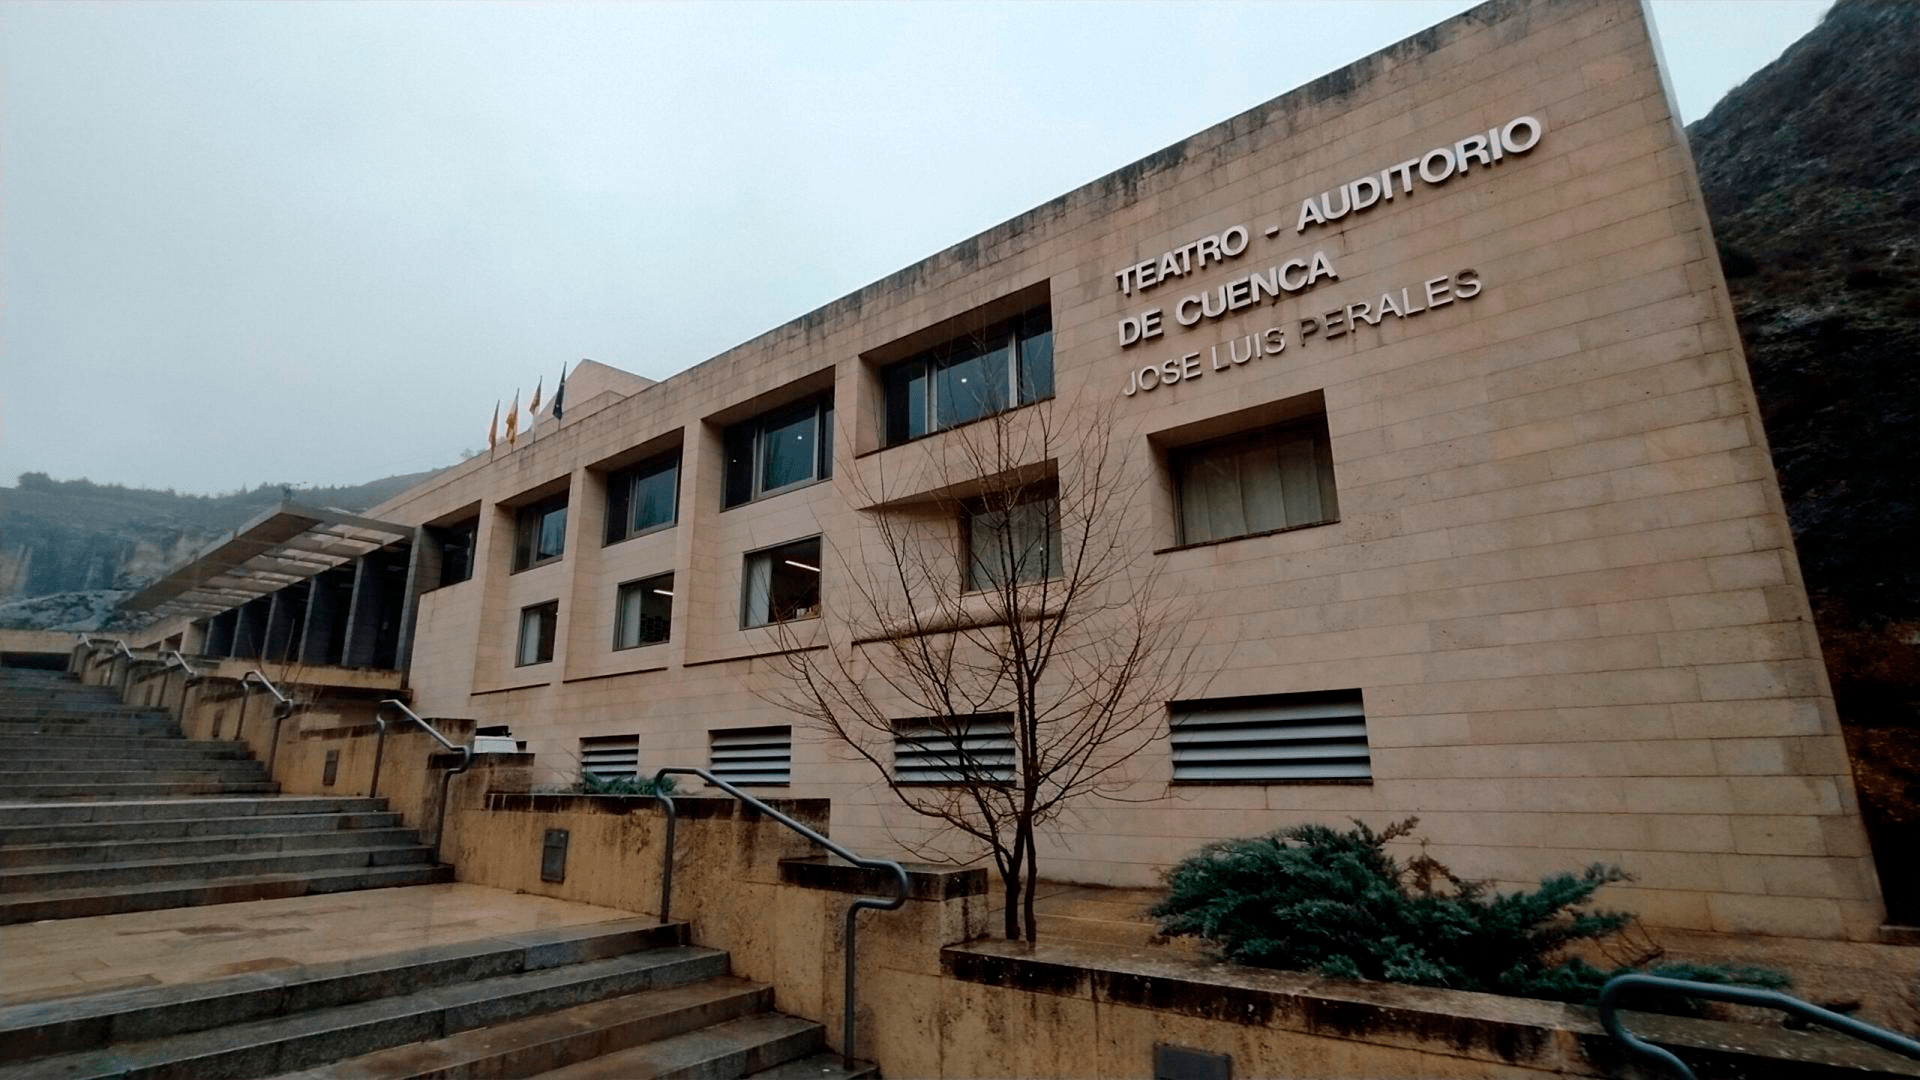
{"points": [[643, 498], [540, 533], [537, 624], [644, 612], [779, 450], [1263, 481], [1018, 542], [782, 584], [456, 543], [975, 375]]}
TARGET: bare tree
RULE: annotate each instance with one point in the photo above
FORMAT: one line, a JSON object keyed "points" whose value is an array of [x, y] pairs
{"points": [[1009, 650]]}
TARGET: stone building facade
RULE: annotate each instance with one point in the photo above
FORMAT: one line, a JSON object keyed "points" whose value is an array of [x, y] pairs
{"points": [[1427, 382]]}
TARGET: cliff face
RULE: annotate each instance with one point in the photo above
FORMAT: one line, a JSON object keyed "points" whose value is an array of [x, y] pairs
{"points": [[1811, 170]]}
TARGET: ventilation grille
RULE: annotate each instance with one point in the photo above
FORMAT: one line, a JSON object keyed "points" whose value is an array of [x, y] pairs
{"points": [[610, 756], [980, 747], [1273, 739], [762, 755]]}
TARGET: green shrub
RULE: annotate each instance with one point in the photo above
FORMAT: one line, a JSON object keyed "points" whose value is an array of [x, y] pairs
{"points": [[595, 784], [1313, 898]]}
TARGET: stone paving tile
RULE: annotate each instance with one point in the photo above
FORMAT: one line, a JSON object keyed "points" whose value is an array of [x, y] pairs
{"points": [[62, 957]]}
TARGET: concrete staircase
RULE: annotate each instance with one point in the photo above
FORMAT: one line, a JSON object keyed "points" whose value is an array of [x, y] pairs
{"points": [[106, 808], [608, 1000]]}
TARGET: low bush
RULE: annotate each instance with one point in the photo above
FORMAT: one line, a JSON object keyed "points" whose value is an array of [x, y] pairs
{"points": [[595, 784], [1334, 902]]}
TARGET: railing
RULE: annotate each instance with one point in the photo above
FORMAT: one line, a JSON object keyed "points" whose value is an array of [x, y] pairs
{"points": [[853, 909], [1738, 995], [446, 778], [282, 708], [173, 658]]}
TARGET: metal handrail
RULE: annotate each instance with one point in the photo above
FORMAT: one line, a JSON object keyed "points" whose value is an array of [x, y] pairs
{"points": [[254, 675], [466, 763], [1737, 995], [446, 778], [853, 910], [172, 658]]}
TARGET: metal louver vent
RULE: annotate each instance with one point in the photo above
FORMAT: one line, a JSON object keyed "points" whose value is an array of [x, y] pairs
{"points": [[978, 747], [1321, 736], [762, 755], [610, 756]]}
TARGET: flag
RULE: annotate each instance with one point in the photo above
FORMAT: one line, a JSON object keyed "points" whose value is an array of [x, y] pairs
{"points": [[493, 429], [559, 393], [533, 407], [513, 420]]}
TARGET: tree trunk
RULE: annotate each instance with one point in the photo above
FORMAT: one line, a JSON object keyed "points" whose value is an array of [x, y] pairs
{"points": [[1012, 878], [1033, 879]]}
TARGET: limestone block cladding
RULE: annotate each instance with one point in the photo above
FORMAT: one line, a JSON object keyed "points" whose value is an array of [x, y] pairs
{"points": [[1549, 550]]}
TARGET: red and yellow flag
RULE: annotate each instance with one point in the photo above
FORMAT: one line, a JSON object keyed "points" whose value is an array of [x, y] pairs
{"points": [[493, 429], [513, 420]]}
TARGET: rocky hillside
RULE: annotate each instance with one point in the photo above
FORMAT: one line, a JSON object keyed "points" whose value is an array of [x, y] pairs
{"points": [[1811, 170], [69, 550]]}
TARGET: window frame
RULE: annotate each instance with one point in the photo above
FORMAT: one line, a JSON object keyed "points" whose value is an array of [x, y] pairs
{"points": [[1312, 426], [547, 635], [1054, 556], [770, 553], [1021, 389], [529, 525], [755, 429], [620, 610], [626, 481]]}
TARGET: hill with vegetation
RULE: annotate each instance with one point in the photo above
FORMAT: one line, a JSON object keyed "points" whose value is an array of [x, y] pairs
{"points": [[1811, 170], [71, 549]]}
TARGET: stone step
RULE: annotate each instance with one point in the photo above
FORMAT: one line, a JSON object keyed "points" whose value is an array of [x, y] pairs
{"points": [[54, 789], [537, 1043], [303, 1040], [69, 813], [115, 751], [152, 762], [92, 1021], [153, 896], [735, 1048], [208, 847], [242, 771], [42, 879], [822, 1066], [168, 828], [87, 723], [55, 744]]}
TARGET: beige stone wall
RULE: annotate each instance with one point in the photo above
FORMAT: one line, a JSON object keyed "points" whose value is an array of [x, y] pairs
{"points": [[1562, 576]]}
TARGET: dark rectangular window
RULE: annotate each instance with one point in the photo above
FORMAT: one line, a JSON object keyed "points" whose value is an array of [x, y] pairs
{"points": [[782, 584], [975, 375], [537, 625], [779, 450], [1263, 481], [540, 533], [643, 612], [1012, 541], [456, 544], [643, 498]]}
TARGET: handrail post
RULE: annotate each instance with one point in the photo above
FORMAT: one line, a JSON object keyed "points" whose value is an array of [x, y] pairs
{"points": [[903, 885], [446, 778]]}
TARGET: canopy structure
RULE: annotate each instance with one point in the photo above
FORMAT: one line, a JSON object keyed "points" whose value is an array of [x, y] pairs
{"points": [[287, 544]]}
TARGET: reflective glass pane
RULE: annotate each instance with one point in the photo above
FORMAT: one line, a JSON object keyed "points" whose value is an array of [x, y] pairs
{"points": [[653, 497], [970, 388], [906, 393], [789, 449]]}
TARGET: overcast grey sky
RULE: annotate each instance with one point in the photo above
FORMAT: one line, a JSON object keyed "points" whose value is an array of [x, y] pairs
{"points": [[314, 243]]}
